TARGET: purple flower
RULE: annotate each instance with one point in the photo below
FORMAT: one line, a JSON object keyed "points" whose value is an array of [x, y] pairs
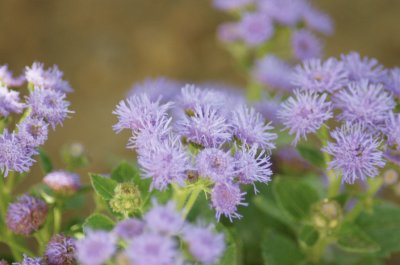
{"points": [[364, 102], [164, 219], [317, 20], [3, 262], [252, 166], [318, 76], [363, 68], [249, 127], [204, 244], [139, 112], [60, 251], [268, 108], [14, 154], [392, 81], [156, 88], [255, 28], [228, 32], [30, 261], [355, 153], [129, 228], [231, 5], [9, 102], [26, 215], [6, 77], [33, 131], [215, 164], [63, 181], [152, 249], [225, 198], [305, 45], [205, 127], [286, 12], [165, 163], [49, 104], [273, 72], [305, 113], [392, 130], [49, 79], [96, 248], [193, 97]]}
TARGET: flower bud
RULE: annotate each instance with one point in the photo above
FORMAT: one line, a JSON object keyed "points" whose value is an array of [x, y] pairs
{"points": [[390, 177], [74, 155], [60, 251], [327, 215], [26, 215], [126, 199], [63, 182]]}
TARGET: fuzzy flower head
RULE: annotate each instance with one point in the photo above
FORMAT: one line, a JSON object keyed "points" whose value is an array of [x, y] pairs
{"points": [[392, 130], [268, 108], [48, 79], [306, 45], [204, 244], [14, 154], [156, 87], [356, 153], [63, 181], [273, 72], [49, 105], [360, 68], [164, 219], [7, 79], [3, 262], [192, 98], [225, 199], [315, 75], [249, 128], [393, 81], [96, 248], [228, 32], [9, 102], [231, 5], [364, 102], [129, 228], [305, 113], [33, 131], [317, 20], [152, 249], [31, 261], [255, 29], [26, 215], [215, 164], [285, 12], [60, 251]]}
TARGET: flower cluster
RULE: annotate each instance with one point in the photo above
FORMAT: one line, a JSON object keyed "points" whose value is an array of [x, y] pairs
{"points": [[362, 95], [155, 239], [225, 145], [45, 105]]}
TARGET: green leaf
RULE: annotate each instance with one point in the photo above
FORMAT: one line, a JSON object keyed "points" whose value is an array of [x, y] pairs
{"points": [[103, 186], [98, 222], [352, 238], [294, 196], [124, 172], [229, 257], [312, 155], [308, 235], [45, 162], [277, 249], [383, 226]]}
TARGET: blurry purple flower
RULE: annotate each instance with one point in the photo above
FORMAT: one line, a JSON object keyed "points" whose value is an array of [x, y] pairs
{"points": [[3, 262], [286, 12], [63, 181], [355, 153], [392, 81], [60, 251], [364, 102], [228, 32], [231, 5], [392, 130], [249, 127], [9, 102], [225, 199], [317, 20], [33, 131], [96, 248], [30, 261], [273, 72], [156, 88], [128, 229], [318, 76], [268, 108], [152, 249], [363, 68], [204, 244], [306, 45], [164, 219], [215, 164], [193, 97], [305, 113], [26, 215], [255, 28], [48, 79], [6, 77], [392, 156]]}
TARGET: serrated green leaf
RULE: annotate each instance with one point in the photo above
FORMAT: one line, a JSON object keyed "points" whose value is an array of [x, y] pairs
{"points": [[308, 235], [45, 162], [103, 186], [124, 172], [98, 222], [352, 238], [277, 249], [312, 155]]}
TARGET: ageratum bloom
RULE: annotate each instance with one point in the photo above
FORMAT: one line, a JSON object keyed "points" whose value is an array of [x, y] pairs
{"points": [[49, 105], [306, 45], [63, 181], [225, 198], [60, 251], [249, 127], [215, 164], [392, 129], [33, 131], [96, 248], [360, 68], [305, 113], [317, 20], [156, 88], [204, 245], [14, 154], [255, 28], [3, 262], [392, 81], [356, 153], [7, 79], [26, 215], [364, 102], [273, 72], [268, 108], [318, 76], [30, 261], [228, 32], [129, 228], [9, 102], [231, 5], [164, 219], [285, 12], [192, 98]]}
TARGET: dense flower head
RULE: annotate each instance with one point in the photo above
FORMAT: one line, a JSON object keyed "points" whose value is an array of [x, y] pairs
{"points": [[33, 131], [273, 72], [268, 108], [355, 152], [156, 87], [60, 250], [9, 102], [230, 5], [49, 105], [164, 219], [305, 113], [7, 79], [96, 248], [3, 262], [318, 76], [316, 19], [392, 81], [364, 102], [228, 32], [26, 215], [360, 68], [30, 261], [215, 164], [129, 228], [193, 97], [62, 181], [305, 45], [255, 28], [392, 130], [225, 199], [204, 244], [286, 12]]}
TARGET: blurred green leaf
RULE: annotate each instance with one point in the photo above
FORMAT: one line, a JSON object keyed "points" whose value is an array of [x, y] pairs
{"points": [[45, 162], [98, 222], [124, 172], [230, 256], [280, 250], [352, 238], [312, 155], [103, 186], [308, 235]]}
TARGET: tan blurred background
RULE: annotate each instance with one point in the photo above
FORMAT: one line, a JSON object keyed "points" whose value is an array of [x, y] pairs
{"points": [[105, 46]]}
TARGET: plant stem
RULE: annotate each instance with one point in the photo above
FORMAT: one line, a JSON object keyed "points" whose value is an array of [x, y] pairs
{"points": [[191, 201], [57, 219]]}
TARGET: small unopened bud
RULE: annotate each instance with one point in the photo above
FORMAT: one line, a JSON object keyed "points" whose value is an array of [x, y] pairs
{"points": [[26, 215], [126, 199], [60, 250], [192, 175], [74, 155], [390, 177], [63, 182], [327, 215]]}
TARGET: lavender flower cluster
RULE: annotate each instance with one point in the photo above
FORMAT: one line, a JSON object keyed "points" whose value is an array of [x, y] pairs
{"points": [[360, 95], [155, 239], [45, 105], [201, 136]]}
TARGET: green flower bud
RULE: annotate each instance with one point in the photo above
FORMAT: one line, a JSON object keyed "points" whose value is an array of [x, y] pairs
{"points": [[126, 199], [327, 215]]}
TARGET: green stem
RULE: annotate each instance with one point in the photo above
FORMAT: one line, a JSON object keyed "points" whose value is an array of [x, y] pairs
{"points": [[318, 249], [40, 238], [191, 201], [57, 218]]}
